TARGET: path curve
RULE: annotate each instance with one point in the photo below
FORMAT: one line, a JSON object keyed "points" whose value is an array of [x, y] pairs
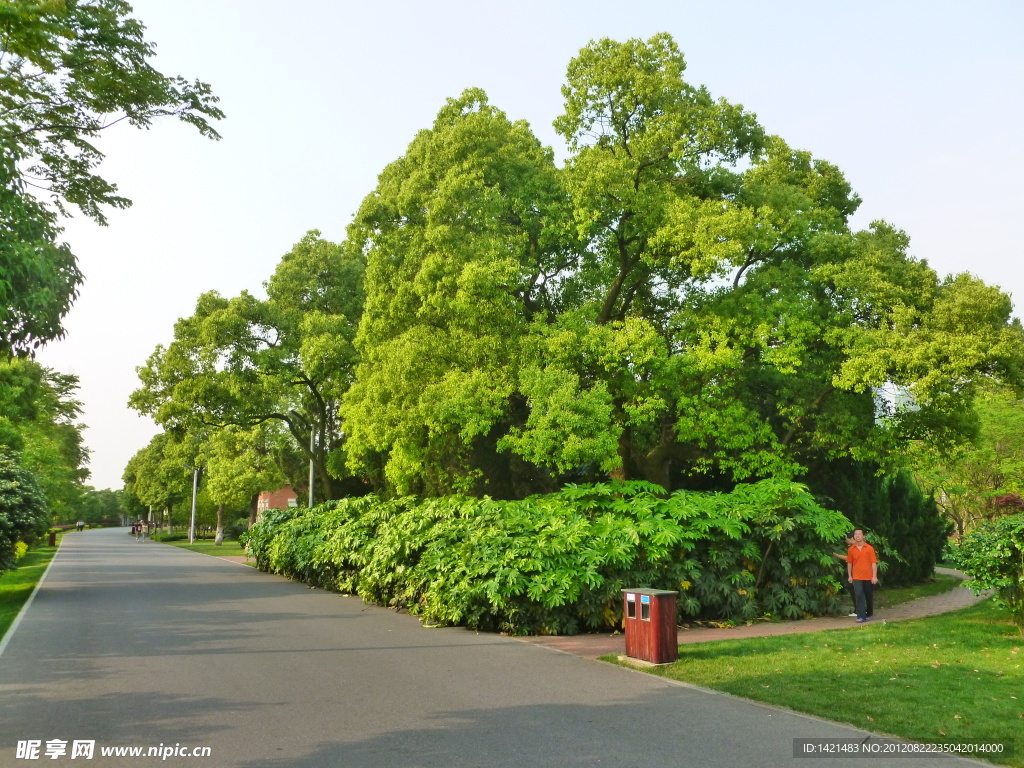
{"points": [[592, 646]]}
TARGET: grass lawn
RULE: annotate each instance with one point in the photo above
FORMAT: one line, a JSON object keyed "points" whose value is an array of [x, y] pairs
{"points": [[958, 677], [16, 586], [887, 597], [230, 547]]}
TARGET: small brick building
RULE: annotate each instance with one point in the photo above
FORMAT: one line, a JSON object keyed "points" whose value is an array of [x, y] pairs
{"points": [[282, 498]]}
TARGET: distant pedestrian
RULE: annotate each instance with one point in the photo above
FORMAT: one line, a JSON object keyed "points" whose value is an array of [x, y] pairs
{"points": [[80, 525], [862, 573]]}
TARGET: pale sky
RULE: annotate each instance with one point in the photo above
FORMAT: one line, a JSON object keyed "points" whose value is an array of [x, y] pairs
{"points": [[918, 103]]}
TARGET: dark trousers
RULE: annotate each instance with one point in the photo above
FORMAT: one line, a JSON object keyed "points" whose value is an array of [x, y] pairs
{"points": [[850, 594], [864, 598]]}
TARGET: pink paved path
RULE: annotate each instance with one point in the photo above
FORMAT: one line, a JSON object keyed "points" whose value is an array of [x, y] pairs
{"points": [[595, 645]]}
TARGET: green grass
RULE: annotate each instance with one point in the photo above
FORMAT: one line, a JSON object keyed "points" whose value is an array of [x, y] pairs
{"points": [[230, 547], [16, 586], [957, 677]]}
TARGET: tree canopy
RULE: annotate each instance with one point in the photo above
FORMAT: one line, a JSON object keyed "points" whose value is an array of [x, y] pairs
{"points": [[682, 301], [683, 298], [246, 361], [39, 413], [982, 479], [69, 69]]}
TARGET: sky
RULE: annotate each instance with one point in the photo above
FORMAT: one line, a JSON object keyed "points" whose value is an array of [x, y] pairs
{"points": [[920, 104]]}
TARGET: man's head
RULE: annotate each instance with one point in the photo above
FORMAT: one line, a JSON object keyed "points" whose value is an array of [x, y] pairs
{"points": [[858, 536]]}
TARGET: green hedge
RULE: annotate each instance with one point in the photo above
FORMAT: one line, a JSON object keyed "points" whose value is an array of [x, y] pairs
{"points": [[166, 537], [556, 564]]}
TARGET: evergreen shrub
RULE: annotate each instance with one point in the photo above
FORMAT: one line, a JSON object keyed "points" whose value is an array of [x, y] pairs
{"points": [[24, 515], [556, 564], [992, 554], [906, 527]]}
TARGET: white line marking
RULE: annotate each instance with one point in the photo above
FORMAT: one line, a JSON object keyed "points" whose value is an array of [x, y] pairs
{"points": [[24, 608]]}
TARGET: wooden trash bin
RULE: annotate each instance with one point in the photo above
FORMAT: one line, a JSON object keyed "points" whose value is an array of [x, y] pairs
{"points": [[649, 619]]}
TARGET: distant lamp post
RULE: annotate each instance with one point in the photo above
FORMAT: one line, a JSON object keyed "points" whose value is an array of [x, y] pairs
{"points": [[312, 453], [195, 491]]}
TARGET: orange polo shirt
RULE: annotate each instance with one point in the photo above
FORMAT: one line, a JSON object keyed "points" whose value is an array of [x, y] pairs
{"points": [[861, 559]]}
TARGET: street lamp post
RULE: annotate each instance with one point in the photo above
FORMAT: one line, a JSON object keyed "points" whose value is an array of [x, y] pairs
{"points": [[312, 453], [192, 521]]}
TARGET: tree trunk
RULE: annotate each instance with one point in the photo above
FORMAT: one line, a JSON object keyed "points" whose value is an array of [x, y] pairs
{"points": [[657, 462], [656, 467], [253, 506], [624, 449], [219, 539]]}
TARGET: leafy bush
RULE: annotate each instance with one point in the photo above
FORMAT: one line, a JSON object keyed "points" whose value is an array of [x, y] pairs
{"points": [[237, 528], [992, 554], [558, 563], [23, 511], [20, 550], [165, 537]]}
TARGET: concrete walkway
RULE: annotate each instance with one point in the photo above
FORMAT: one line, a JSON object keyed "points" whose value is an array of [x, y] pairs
{"points": [[593, 646]]}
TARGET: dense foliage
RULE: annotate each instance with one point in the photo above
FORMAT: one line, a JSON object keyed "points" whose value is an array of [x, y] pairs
{"points": [[992, 554], [683, 298], [244, 362], [907, 528], [39, 413], [682, 301], [23, 511], [557, 563], [983, 479], [68, 71]]}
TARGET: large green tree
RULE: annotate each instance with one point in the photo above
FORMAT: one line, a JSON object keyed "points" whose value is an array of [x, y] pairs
{"points": [[239, 464], [159, 478], [69, 69], [464, 237], [684, 297], [760, 324], [289, 358]]}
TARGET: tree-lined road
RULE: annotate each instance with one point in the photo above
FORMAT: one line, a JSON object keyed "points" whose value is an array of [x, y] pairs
{"points": [[140, 644]]}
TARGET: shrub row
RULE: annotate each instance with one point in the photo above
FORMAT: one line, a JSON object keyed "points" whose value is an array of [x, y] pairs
{"points": [[166, 537], [556, 564]]}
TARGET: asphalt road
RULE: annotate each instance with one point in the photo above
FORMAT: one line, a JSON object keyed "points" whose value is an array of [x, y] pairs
{"points": [[143, 645]]}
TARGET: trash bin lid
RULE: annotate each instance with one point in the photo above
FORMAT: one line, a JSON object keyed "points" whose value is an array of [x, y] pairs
{"points": [[652, 592]]}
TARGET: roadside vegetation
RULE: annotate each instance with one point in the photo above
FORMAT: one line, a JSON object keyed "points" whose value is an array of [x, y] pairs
{"points": [[556, 563], [16, 586], [956, 677]]}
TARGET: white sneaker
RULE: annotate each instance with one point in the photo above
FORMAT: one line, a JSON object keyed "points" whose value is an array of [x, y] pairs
{"points": [[852, 615]]}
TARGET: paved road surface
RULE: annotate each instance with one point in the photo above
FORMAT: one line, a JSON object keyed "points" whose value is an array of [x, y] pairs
{"points": [[137, 645]]}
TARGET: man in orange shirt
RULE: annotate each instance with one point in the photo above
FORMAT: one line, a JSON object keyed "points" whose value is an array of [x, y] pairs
{"points": [[862, 572]]}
